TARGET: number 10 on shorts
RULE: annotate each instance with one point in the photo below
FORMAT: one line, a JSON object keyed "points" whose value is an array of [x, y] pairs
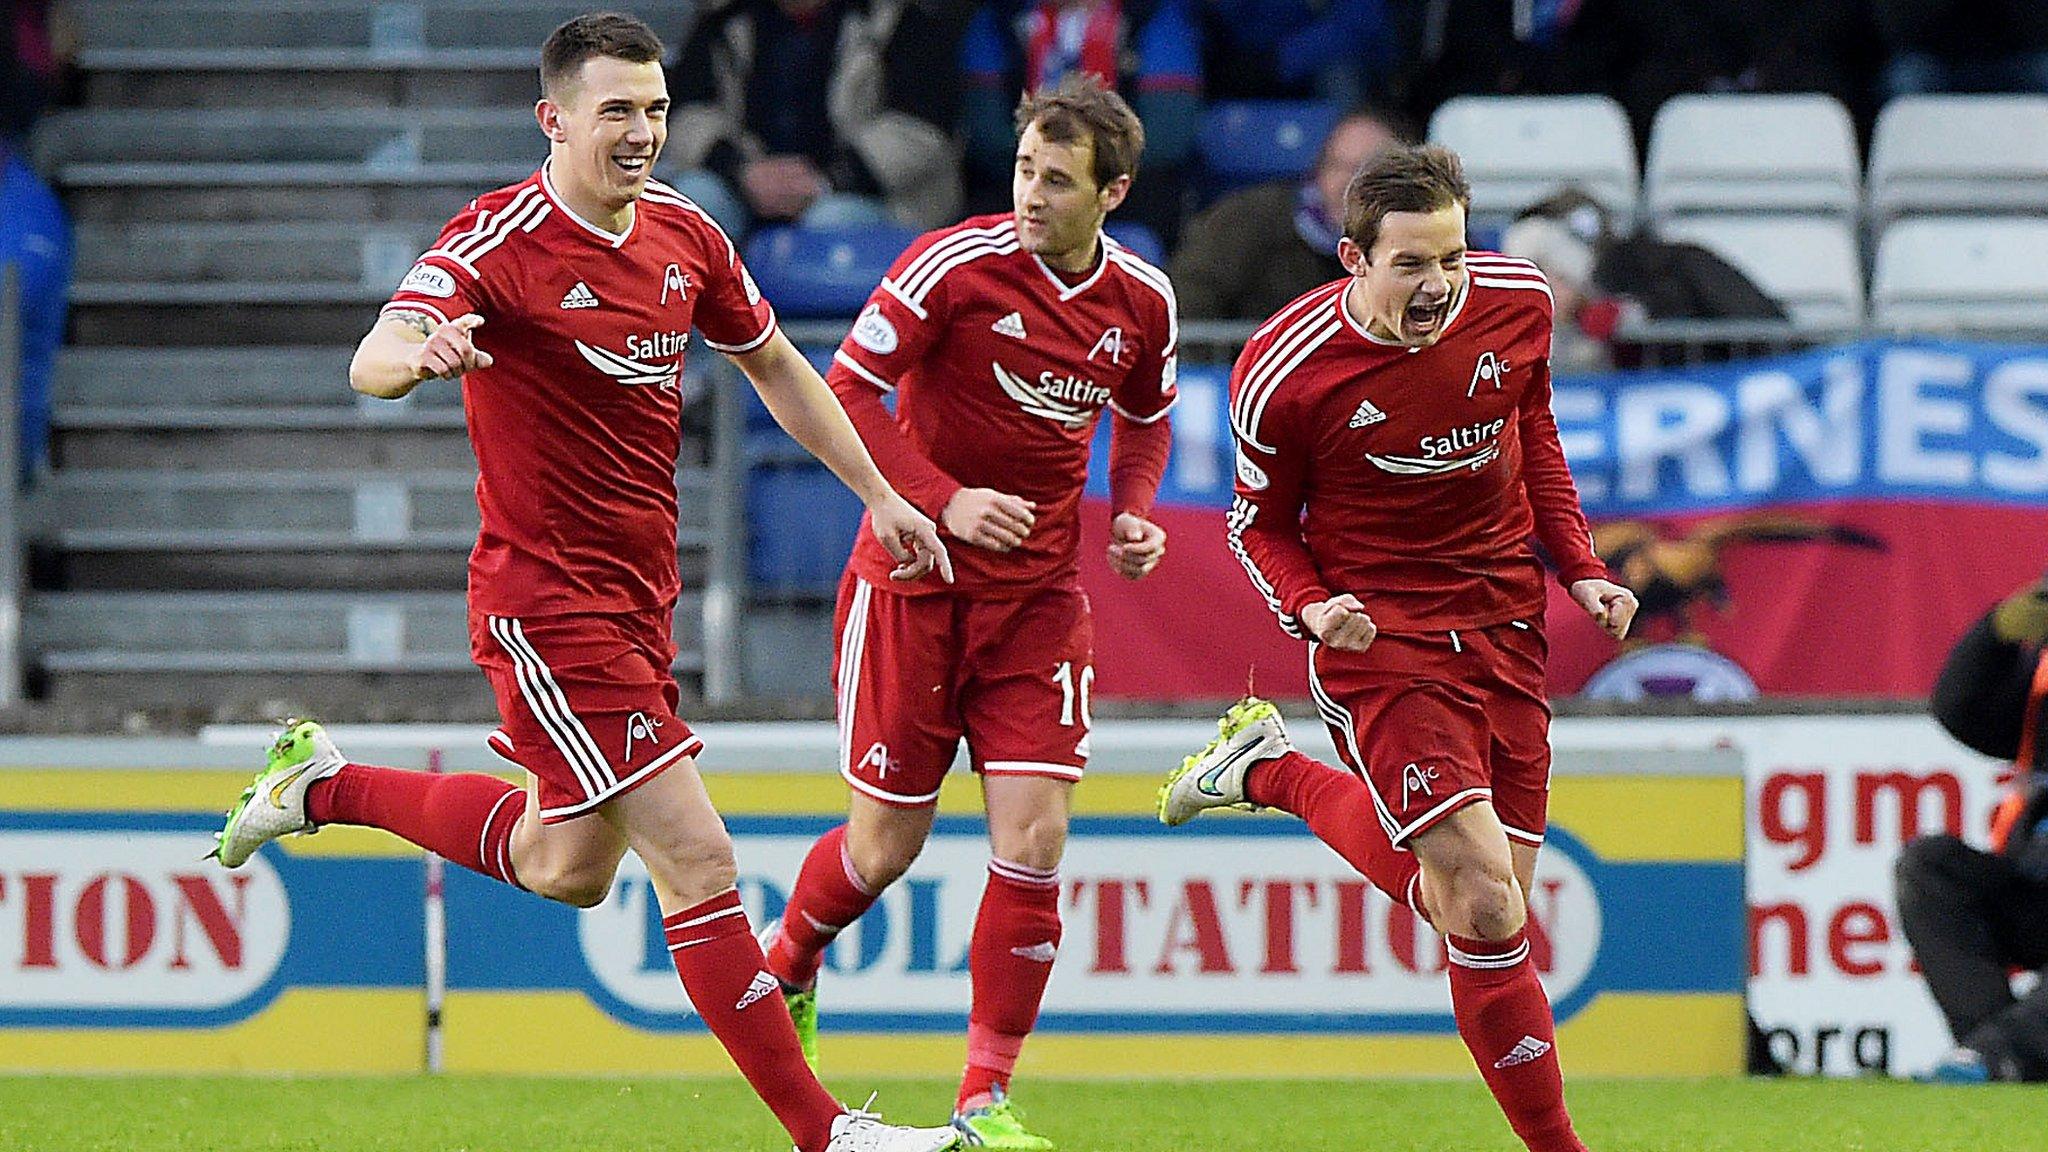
{"points": [[1070, 687]]}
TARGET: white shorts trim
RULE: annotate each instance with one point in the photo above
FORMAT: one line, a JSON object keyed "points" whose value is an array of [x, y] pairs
{"points": [[1455, 800], [1030, 768], [689, 747], [1515, 833], [888, 797], [545, 699], [852, 645]]}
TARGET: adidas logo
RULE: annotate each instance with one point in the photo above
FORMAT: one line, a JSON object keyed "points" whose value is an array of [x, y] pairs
{"points": [[1527, 1049], [764, 985], [1011, 325], [1044, 953], [1367, 413], [580, 297]]}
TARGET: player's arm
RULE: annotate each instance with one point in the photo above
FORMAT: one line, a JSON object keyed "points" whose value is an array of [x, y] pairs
{"points": [[1560, 521], [1138, 451], [1140, 441], [983, 517], [405, 348], [1265, 534], [805, 407]]}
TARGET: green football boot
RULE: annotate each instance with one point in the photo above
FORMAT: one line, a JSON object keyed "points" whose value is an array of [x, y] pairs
{"points": [[274, 804], [999, 1124]]}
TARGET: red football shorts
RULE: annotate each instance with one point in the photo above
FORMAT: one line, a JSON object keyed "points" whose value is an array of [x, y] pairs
{"points": [[588, 702], [1436, 721], [917, 673]]}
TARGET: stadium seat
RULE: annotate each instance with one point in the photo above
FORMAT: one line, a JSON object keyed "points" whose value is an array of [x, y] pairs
{"points": [[1252, 141], [1142, 241], [1808, 264], [819, 273], [1960, 274], [1752, 153], [1519, 149], [1958, 154], [800, 526]]}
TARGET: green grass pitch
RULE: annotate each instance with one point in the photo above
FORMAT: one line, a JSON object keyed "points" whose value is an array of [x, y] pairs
{"points": [[487, 1114]]}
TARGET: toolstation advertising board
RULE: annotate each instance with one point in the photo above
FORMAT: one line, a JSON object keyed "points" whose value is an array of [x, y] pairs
{"points": [[1237, 945]]}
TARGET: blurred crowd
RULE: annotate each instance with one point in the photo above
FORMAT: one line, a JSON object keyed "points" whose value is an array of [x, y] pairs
{"points": [[846, 112], [35, 239], [913, 123]]}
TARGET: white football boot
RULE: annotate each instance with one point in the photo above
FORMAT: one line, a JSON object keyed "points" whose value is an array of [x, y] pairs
{"points": [[858, 1130], [1249, 732]]}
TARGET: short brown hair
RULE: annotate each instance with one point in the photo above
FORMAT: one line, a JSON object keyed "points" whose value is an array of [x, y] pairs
{"points": [[1402, 178], [591, 36], [1082, 108]]}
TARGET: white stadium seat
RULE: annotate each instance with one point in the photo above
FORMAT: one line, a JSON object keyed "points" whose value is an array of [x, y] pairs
{"points": [[1808, 264], [1960, 154], [1753, 153], [1519, 149], [1956, 274]]}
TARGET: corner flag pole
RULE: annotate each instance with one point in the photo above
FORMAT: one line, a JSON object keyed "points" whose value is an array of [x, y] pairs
{"points": [[436, 944]]}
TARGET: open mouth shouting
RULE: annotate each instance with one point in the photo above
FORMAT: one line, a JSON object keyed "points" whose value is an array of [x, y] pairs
{"points": [[1424, 318]]}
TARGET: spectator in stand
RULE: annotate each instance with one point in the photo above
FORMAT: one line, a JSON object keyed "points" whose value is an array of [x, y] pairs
{"points": [[1973, 916], [1149, 51], [1477, 47], [1342, 51], [1643, 52], [36, 240], [1251, 252], [1601, 280], [823, 111], [1959, 46]]}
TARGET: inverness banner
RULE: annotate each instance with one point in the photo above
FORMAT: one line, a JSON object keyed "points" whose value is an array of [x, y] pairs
{"points": [[1818, 524]]}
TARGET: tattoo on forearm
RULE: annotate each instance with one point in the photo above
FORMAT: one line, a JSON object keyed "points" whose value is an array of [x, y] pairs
{"points": [[417, 321]]}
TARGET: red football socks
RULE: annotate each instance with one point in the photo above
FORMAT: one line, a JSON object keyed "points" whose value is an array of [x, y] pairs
{"points": [[1016, 939], [466, 818], [828, 896], [1338, 808], [726, 977], [1504, 1017]]}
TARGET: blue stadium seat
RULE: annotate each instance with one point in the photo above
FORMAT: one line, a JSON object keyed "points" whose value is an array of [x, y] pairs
{"points": [[1143, 242], [1252, 141], [800, 527], [821, 273]]}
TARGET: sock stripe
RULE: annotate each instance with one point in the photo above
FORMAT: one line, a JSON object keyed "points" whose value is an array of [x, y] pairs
{"points": [[1507, 959], [1035, 877], [483, 839], [674, 925], [852, 873]]}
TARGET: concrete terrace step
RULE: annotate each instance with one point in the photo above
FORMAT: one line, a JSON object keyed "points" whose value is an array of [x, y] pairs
{"points": [[115, 256], [391, 26], [237, 510], [325, 77], [267, 625], [388, 139], [124, 195], [280, 419], [218, 378]]}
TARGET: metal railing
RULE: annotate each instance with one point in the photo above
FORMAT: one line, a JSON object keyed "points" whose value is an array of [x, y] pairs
{"points": [[10, 485], [1650, 344]]}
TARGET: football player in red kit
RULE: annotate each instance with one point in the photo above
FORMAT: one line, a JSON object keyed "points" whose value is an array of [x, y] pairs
{"points": [[583, 281], [1003, 339], [1395, 453]]}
